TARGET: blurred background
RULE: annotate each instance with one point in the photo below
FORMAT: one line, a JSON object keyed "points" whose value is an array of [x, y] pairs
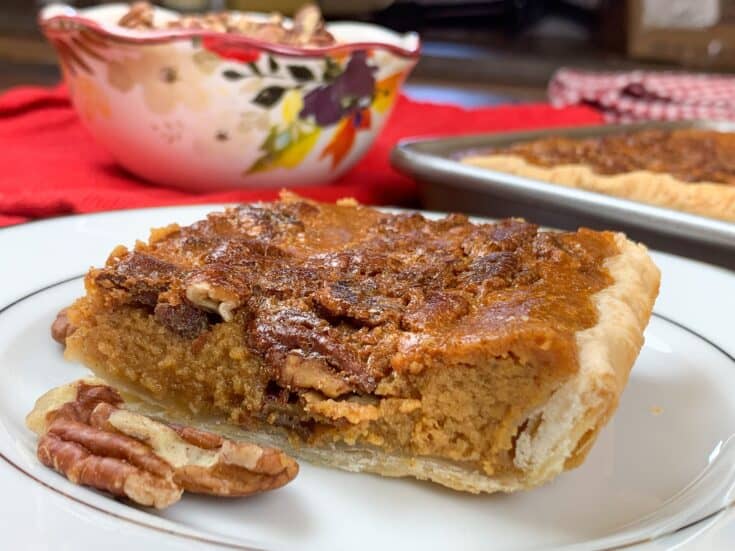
{"points": [[476, 52]]}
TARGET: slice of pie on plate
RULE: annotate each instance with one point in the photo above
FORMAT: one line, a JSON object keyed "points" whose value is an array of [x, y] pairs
{"points": [[484, 357], [690, 170]]}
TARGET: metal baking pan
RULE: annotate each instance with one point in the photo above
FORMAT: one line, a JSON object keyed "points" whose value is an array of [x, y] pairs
{"points": [[448, 185]]}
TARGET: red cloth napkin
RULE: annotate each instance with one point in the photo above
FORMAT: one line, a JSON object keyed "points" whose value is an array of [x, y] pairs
{"points": [[51, 166], [646, 95]]}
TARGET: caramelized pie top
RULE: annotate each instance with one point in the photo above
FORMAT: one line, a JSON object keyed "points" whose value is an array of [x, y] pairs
{"points": [[362, 292], [691, 155]]}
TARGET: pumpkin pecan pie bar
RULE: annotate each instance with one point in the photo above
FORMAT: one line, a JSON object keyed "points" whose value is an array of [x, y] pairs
{"points": [[691, 170], [484, 357]]}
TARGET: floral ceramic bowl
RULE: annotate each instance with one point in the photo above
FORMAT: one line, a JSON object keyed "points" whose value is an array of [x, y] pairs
{"points": [[203, 110]]}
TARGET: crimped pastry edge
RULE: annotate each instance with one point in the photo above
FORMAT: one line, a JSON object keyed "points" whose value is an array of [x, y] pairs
{"points": [[572, 418], [664, 190], [567, 424]]}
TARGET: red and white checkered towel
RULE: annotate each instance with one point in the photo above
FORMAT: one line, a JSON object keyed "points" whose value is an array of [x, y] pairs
{"points": [[646, 95]]}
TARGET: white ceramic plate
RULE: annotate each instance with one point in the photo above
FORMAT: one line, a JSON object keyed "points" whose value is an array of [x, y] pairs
{"points": [[662, 474]]}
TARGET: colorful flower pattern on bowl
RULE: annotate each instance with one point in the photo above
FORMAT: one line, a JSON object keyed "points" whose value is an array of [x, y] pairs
{"points": [[206, 111]]}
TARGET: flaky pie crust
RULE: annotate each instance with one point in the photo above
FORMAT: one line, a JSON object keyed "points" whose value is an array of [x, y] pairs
{"points": [[703, 198]]}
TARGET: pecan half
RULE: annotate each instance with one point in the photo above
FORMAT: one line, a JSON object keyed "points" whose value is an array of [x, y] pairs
{"points": [[87, 434], [304, 372], [62, 327], [213, 298], [183, 319], [139, 16]]}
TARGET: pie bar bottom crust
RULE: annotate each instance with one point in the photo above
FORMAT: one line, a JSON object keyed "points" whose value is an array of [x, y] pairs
{"points": [[654, 188], [479, 411]]}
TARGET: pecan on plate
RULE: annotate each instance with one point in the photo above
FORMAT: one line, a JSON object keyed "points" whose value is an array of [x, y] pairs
{"points": [[86, 433], [62, 327]]}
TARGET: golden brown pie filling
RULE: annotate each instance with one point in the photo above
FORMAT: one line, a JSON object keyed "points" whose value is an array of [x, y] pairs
{"points": [[691, 155], [340, 323]]}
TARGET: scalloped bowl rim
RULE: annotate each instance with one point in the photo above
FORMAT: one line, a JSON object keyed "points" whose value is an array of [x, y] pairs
{"points": [[404, 45]]}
